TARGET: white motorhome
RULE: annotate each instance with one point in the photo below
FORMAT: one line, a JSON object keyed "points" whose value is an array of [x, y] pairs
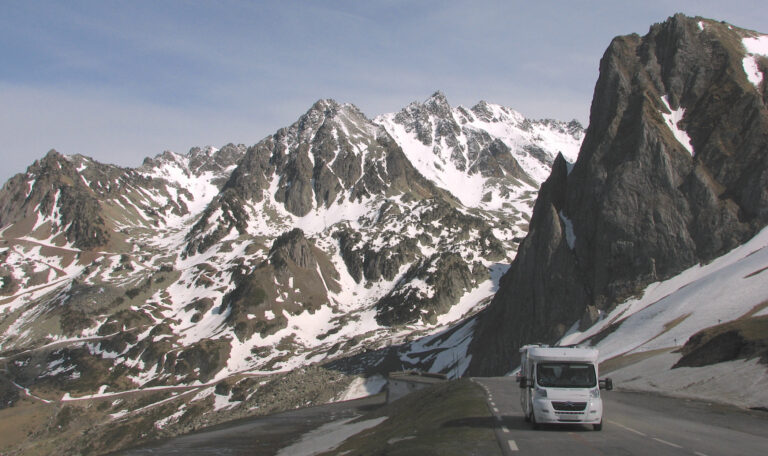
{"points": [[559, 385]]}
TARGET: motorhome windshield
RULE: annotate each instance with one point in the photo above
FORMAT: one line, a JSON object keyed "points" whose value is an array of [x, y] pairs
{"points": [[566, 375]]}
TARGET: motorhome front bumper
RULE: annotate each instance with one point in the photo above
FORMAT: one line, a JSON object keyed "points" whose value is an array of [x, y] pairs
{"points": [[550, 411]]}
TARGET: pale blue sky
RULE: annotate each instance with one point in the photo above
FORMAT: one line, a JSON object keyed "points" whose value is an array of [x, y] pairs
{"points": [[120, 81]]}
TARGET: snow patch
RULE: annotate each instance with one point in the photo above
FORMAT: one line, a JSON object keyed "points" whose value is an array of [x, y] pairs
{"points": [[757, 45], [672, 120], [754, 75], [363, 387], [222, 402], [29, 393], [329, 436], [160, 424], [754, 46], [449, 164]]}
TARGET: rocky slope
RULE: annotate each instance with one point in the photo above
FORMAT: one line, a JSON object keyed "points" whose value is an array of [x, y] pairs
{"points": [[672, 173], [172, 295]]}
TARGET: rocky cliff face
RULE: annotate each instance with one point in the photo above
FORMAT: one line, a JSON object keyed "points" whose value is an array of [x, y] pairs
{"points": [[672, 172]]}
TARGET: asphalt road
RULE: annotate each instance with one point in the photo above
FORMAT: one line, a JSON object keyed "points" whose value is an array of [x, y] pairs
{"points": [[633, 424]]}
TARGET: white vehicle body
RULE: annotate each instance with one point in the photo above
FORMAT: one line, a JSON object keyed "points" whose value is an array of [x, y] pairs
{"points": [[559, 385]]}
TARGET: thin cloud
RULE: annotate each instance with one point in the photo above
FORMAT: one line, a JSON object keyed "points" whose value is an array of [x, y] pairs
{"points": [[121, 82]]}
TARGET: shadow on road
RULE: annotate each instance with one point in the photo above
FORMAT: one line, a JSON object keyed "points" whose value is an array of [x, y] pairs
{"points": [[489, 422], [513, 423]]}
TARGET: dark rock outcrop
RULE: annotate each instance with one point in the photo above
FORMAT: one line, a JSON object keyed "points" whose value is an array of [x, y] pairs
{"points": [[430, 288], [638, 207], [292, 280], [745, 338], [292, 247]]}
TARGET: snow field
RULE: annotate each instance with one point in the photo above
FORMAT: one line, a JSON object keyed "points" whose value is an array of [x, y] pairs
{"points": [[670, 312], [740, 382], [754, 46]]}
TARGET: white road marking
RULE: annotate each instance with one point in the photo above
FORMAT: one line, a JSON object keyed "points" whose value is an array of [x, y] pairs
{"points": [[496, 410], [698, 453], [493, 404], [666, 443], [512, 445], [674, 445], [505, 429], [628, 428]]}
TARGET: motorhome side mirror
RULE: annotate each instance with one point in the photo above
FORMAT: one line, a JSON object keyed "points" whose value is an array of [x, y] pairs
{"points": [[606, 384], [523, 382]]}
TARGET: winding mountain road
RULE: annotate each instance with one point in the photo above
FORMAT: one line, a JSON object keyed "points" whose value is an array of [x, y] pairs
{"points": [[634, 424]]}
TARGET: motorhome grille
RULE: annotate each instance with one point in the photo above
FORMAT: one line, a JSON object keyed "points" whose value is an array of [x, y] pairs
{"points": [[569, 406]]}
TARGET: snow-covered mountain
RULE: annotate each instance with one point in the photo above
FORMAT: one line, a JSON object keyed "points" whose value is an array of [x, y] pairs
{"points": [[224, 273], [220, 284], [467, 151]]}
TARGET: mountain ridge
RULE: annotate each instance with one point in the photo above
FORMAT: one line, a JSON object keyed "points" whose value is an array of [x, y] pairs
{"points": [[223, 266], [250, 279]]}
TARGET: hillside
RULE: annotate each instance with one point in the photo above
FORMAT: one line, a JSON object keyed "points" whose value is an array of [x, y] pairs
{"points": [[210, 276]]}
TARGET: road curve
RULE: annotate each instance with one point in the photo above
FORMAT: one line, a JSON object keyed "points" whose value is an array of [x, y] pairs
{"points": [[633, 424]]}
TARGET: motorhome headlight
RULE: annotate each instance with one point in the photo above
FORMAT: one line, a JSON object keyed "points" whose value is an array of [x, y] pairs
{"points": [[541, 392], [595, 392]]}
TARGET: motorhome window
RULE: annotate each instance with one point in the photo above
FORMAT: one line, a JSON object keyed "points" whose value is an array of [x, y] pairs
{"points": [[566, 375]]}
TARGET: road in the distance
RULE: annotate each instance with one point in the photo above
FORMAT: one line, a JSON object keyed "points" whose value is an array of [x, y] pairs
{"points": [[633, 424]]}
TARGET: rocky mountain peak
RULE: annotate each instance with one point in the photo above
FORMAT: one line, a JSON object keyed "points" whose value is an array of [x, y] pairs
{"points": [[327, 106], [671, 173], [437, 104], [326, 112], [52, 156], [56, 201], [331, 155], [198, 160], [483, 111]]}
